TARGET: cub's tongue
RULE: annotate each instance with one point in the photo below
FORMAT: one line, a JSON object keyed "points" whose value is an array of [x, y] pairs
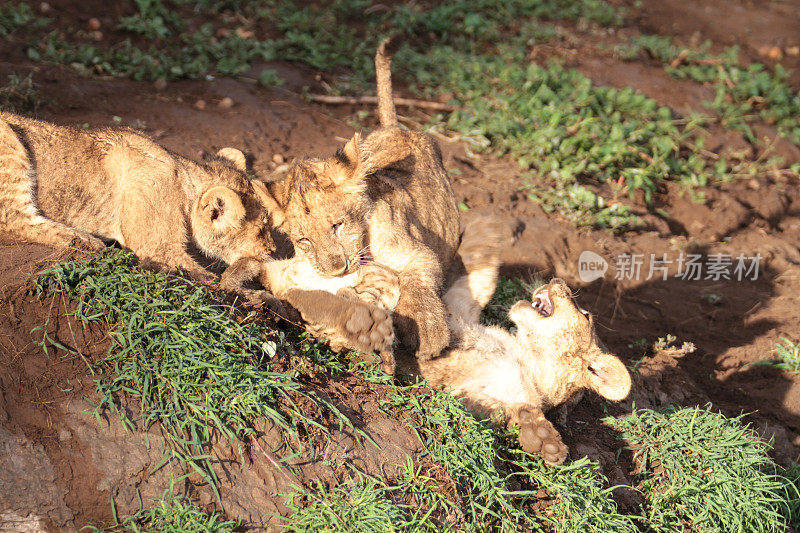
{"points": [[542, 303]]}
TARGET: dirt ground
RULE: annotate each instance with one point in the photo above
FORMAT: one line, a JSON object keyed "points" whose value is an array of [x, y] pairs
{"points": [[58, 462]]}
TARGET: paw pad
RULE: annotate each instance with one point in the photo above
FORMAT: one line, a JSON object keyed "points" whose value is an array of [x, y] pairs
{"points": [[539, 436]]}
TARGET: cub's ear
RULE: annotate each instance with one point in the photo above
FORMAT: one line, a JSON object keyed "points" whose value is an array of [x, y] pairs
{"points": [[270, 204], [349, 171], [607, 376], [221, 208], [236, 157]]}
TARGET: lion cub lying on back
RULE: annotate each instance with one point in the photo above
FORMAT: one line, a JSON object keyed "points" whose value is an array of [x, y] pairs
{"points": [[61, 185]]}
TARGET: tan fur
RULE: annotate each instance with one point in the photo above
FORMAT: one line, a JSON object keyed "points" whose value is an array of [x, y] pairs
{"points": [[349, 311], [547, 362], [386, 198], [62, 186]]}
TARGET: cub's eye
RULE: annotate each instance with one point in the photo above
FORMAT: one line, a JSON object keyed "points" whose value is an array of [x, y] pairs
{"points": [[337, 228], [304, 242]]}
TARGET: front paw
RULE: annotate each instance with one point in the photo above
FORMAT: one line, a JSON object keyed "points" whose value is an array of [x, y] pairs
{"points": [[537, 435], [378, 284], [370, 329]]}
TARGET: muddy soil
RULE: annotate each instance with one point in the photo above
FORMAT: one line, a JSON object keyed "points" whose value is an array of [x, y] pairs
{"points": [[60, 467]]}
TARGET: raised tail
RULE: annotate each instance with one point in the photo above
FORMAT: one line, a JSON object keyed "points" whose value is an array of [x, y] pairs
{"points": [[482, 242], [383, 72]]}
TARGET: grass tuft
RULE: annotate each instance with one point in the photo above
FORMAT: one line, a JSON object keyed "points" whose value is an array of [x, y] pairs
{"points": [[193, 367], [173, 515], [701, 471]]}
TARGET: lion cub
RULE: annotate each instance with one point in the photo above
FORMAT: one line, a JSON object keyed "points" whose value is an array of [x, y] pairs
{"points": [[553, 356], [62, 186], [385, 198]]}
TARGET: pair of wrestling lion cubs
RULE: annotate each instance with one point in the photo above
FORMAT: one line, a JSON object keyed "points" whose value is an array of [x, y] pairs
{"points": [[375, 231]]}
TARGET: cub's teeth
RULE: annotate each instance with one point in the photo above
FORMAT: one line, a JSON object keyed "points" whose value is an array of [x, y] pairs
{"points": [[541, 302]]}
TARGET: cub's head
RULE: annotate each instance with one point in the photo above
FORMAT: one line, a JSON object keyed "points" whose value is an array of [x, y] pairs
{"points": [[554, 329], [324, 206], [232, 218]]}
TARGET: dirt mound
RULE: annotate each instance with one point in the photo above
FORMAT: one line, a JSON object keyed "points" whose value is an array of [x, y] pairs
{"points": [[64, 467]]}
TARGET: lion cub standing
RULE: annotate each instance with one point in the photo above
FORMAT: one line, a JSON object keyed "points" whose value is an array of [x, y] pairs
{"points": [[61, 185], [385, 198]]}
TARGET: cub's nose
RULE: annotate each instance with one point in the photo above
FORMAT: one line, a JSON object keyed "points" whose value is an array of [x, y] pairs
{"points": [[338, 265]]}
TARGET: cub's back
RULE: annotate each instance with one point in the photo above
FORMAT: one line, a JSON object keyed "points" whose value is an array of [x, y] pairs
{"points": [[414, 188], [84, 178]]}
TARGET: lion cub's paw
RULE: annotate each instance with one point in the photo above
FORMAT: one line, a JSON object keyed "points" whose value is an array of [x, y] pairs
{"points": [[537, 435], [371, 330], [370, 326], [378, 284]]}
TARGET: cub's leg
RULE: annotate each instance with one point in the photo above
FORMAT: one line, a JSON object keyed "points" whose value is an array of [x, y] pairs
{"points": [[18, 212], [346, 323], [420, 315], [242, 271], [537, 434]]}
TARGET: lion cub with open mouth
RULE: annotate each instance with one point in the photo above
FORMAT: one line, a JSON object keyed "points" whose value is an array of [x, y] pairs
{"points": [[553, 356]]}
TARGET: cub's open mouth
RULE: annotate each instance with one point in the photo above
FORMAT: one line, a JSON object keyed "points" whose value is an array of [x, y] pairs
{"points": [[542, 303]]}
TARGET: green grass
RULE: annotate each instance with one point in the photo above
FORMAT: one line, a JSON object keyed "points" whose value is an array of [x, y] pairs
{"points": [[181, 354], [172, 515], [323, 38], [787, 356], [20, 95], [493, 485], [412, 503], [701, 471], [743, 93]]}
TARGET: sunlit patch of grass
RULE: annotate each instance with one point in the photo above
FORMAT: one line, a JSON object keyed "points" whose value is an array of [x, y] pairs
{"points": [[701, 471], [743, 92], [411, 503], [193, 367], [172, 515]]}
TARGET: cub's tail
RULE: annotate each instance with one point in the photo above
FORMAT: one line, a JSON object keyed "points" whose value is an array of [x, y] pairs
{"points": [[383, 72], [482, 242]]}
